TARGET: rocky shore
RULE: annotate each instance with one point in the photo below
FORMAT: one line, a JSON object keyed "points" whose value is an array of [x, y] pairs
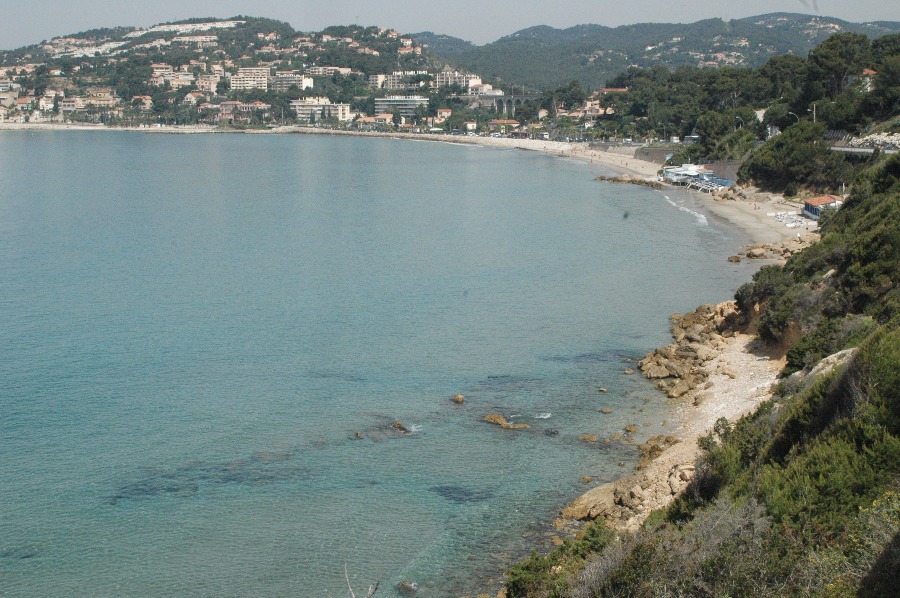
{"points": [[779, 251], [712, 369]]}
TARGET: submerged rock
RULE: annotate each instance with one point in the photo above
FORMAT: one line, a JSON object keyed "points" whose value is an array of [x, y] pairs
{"points": [[499, 420], [401, 428], [407, 587]]}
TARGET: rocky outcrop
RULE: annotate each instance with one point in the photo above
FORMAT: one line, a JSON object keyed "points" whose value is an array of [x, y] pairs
{"points": [[499, 420], [625, 178], [779, 251], [625, 503], [678, 368]]}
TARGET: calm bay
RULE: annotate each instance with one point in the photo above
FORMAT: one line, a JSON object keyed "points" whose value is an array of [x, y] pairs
{"points": [[205, 341]]}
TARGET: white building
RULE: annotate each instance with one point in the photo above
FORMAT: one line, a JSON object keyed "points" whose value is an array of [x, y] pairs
{"points": [[284, 81], [316, 108], [327, 71], [445, 78], [405, 106], [251, 78]]}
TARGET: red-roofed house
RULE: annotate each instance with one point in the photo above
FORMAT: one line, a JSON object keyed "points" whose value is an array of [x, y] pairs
{"points": [[812, 208]]}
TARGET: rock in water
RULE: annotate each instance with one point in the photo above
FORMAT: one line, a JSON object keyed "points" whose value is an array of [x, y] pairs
{"points": [[459, 399], [407, 587], [499, 420]]}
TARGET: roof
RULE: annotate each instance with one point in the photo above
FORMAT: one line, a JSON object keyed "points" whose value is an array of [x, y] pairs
{"points": [[822, 200]]}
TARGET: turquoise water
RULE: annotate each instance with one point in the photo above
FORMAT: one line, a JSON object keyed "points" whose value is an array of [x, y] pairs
{"points": [[194, 331]]}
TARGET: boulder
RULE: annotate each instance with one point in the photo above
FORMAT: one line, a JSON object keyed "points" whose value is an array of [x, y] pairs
{"points": [[655, 371], [459, 399], [757, 253]]}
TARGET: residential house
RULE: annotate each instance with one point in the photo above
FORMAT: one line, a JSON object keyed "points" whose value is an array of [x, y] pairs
{"points": [[193, 98], [234, 111], [144, 103], [72, 104], [208, 83], [503, 125], [48, 100]]}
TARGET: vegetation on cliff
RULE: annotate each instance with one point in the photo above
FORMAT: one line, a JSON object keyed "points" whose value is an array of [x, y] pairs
{"points": [[801, 497]]}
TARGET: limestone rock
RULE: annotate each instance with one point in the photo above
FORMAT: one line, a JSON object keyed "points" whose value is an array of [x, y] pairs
{"points": [[459, 399]]}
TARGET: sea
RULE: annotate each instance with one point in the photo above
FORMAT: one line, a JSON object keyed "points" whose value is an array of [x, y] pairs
{"points": [[227, 362]]}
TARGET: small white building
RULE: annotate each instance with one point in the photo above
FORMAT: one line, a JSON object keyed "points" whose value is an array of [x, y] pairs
{"points": [[812, 208]]}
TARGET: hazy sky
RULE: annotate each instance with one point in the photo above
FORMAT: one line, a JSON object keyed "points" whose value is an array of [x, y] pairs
{"points": [[475, 20]]}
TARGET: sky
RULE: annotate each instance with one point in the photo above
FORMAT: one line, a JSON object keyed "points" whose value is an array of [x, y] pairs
{"points": [[25, 23]]}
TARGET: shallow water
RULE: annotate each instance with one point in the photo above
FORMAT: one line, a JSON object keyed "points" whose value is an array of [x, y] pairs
{"points": [[205, 341]]}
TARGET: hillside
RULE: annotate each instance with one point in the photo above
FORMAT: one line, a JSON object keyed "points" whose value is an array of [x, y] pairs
{"points": [[250, 40], [542, 57]]}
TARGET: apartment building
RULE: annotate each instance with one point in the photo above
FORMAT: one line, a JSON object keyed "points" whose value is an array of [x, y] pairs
{"points": [[315, 108], [405, 106]]}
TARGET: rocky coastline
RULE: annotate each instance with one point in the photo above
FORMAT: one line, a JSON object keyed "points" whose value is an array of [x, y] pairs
{"points": [[712, 369]]}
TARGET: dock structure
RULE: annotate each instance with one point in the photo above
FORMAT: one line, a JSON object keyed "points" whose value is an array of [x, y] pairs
{"points": [[696, 177]]}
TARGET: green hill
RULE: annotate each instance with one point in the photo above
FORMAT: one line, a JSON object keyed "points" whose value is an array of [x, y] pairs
{"points": [[543, 57]]}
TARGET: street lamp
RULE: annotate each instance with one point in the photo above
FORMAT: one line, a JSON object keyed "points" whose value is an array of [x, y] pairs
{"points": [[795, 116], [740, 119]]}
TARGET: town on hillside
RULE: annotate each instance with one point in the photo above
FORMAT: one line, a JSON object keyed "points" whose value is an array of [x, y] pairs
{"points": [[260, 73]]}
